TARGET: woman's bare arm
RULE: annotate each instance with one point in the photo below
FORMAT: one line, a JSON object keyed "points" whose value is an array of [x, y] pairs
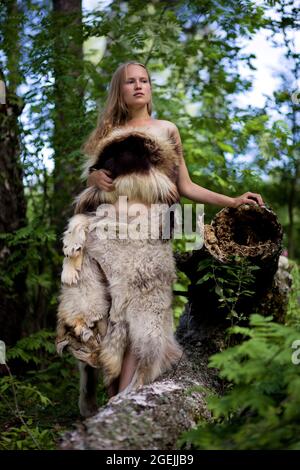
{"points": [[197, 193]]}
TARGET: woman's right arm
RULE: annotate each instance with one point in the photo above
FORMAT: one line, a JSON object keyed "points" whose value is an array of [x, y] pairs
{"points": [[101, 179]]}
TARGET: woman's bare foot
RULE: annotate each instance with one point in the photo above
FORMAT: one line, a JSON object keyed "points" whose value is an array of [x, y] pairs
{"points": [[112, 399]]}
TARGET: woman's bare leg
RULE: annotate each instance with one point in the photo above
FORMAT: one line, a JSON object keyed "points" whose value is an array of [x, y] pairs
{"points": [[112, 389], [88, 389], [128, 369]]}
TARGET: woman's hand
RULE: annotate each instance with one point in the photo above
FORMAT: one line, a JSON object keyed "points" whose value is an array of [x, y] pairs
{"points": [[248, 198], [101, 179]]}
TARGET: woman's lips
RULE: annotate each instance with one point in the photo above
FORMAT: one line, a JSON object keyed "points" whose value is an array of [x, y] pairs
{"points": [[138, 94]]}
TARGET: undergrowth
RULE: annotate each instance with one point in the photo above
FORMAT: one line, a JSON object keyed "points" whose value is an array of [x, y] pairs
{"points": [[38, 394], [261, 407]]}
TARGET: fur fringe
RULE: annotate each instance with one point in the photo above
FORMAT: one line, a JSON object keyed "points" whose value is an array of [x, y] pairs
{"points": [[123, 296]]}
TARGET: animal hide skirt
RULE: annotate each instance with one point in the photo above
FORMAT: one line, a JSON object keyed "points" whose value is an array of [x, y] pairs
{"points": [[117, 293]]}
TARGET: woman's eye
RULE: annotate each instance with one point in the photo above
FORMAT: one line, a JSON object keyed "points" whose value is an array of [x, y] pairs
{"points": [[132, 81]]}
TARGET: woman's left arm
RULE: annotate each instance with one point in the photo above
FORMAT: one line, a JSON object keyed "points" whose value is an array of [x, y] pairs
{"points": [[197, 193]]}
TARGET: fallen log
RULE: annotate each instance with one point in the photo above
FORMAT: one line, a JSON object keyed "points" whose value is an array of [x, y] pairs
{"points": [[154, 416]]}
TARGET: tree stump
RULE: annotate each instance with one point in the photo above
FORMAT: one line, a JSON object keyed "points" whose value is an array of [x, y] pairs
{"points": [[154, 416], [243, 242]]}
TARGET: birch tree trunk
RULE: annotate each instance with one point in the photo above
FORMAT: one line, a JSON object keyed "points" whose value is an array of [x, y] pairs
{"points": [[154, 416]]}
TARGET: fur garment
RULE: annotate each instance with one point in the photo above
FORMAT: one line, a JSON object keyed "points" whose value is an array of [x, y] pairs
{"points": [[118, 292], [144, 168]]}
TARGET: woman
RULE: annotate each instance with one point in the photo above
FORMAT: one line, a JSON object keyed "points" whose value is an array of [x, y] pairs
{"points": [[128, 110], [129, 104]]}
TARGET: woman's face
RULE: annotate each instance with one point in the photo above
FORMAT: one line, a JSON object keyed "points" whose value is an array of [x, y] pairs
{"points": [[136, 87]]}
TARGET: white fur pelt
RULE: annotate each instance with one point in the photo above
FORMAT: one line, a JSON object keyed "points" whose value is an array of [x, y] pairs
{"points": [[117, 293], [121, 295]]}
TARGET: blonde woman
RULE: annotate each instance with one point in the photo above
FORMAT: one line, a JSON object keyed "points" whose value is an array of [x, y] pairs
{"points": [[128, 112]]}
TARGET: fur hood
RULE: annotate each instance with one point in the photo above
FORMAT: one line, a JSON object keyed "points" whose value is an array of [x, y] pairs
{"points": [[144, 167]]}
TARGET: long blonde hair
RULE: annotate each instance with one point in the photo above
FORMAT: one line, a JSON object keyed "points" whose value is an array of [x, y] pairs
{"points": [[115, 112]]}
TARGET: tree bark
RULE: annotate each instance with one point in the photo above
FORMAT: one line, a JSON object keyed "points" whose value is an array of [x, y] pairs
{"points": [[13, 304], [69, 112], [154, 416], [248, 241], [12, 218]]}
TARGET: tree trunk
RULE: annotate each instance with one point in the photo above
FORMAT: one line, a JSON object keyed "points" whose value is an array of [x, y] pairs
{"points": [[69, 129], [68, 117], [12, 218], [234, 274], [13, 304], [154, 416]]}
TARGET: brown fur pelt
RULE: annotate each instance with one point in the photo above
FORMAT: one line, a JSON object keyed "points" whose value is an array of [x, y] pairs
{"points": [[144, 168], [118, 292]]}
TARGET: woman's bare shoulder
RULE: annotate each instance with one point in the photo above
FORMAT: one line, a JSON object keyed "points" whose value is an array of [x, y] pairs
{"points": [[159, 127], [166, 124], [167, 128]]}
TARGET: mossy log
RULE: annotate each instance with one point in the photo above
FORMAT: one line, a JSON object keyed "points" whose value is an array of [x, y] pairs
{"points": [[154, 416]]}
